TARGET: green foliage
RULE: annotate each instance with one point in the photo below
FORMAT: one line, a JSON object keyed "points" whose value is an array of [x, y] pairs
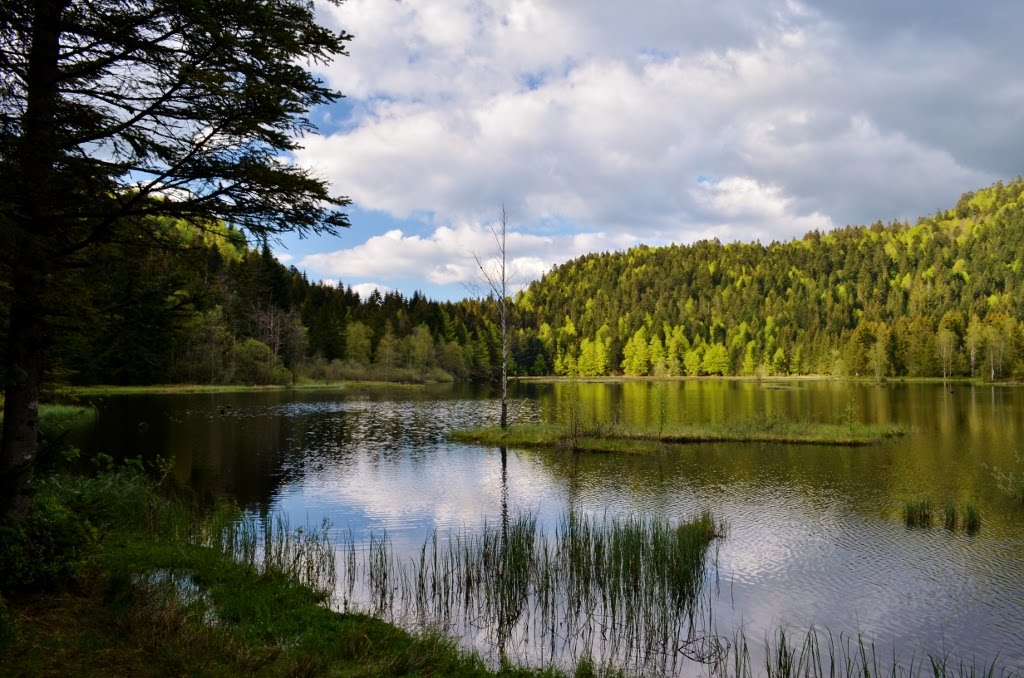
{"points": [[636, 355], [117, 497], [693, 360], [48, 548], [716, 360], [593, 361], [357, 343]]}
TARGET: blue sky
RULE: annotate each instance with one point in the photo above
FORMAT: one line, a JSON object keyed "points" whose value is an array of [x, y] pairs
{"points": [[599, 126]]}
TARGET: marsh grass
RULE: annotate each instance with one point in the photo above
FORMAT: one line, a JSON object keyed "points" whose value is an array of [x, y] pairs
{"points": [[617, 590], [821, 654], [950, 516], [269, 545], [972, 519], [918, 513]]}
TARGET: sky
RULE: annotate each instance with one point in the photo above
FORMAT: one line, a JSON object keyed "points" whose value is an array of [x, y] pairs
{"points": [[601, 125]]}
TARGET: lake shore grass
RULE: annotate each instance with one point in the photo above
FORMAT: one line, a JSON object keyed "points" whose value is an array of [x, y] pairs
{"points": [[648, 440], [158, 592], [162, 389], [55, 419]]}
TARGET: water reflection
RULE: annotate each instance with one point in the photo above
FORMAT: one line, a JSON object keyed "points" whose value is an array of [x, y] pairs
{"points": [[815, 536]]}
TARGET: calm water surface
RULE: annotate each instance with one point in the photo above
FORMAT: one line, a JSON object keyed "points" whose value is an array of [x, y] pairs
{"points": [[815, 534]]}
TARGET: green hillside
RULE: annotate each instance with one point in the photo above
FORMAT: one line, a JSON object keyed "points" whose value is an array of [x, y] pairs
{"points": [[942, 297]]}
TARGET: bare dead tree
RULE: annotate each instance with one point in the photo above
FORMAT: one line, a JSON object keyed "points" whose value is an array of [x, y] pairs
{"points": [[497, 282]]}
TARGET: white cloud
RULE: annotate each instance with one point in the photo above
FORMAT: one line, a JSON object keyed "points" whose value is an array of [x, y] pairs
{"points": [[364, 290], [448, 255], [669, 121], [747, 207]]}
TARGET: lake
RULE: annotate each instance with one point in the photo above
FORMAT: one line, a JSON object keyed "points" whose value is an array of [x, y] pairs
{"points": [[815, 534]]}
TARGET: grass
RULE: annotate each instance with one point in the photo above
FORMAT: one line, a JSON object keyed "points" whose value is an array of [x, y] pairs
{"points": [[972, 519], [56, 419], [620, 439], [919, 513], [950, 516], [108, 390], [820, 654], [635, 583], [170, 589]]}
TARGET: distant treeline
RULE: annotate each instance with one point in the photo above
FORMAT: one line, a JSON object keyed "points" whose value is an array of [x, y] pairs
{"points": [[943, 297], [199, 305]]}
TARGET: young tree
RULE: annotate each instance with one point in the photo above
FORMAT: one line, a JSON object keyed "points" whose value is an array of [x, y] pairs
{"points": [[357, 343], [386, 354], [974, 340], [716, 359], [636, 354], [116, 111]]}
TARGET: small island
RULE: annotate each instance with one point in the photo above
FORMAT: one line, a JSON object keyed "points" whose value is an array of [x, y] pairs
{"points": [[647, 440]]}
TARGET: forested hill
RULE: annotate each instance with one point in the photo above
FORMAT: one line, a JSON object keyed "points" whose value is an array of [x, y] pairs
{"points": [[199, 304], [942, 297]]}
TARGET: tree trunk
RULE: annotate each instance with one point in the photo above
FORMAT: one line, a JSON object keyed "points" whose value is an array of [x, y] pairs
{"points": [[36, 160], [504, 348], [26, 340]]}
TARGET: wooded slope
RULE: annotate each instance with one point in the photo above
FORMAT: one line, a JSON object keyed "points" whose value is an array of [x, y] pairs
{"points": [[943, 296]]}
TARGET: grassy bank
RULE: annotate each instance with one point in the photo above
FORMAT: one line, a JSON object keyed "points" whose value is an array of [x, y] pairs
{"points": [[107, 390], [61, 417], [109, 578], [640, 441]]}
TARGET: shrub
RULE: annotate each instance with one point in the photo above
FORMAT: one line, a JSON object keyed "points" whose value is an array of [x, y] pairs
{"points": [[255, 363], [48, 549]]}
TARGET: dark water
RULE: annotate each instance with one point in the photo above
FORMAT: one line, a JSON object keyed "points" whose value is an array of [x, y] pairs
{"points": [[815, 534]]}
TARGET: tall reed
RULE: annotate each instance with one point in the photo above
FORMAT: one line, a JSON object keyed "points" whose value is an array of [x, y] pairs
{"points": [[918, 513], [269, 544], [820, 654], [972, 519], [613, 589]]}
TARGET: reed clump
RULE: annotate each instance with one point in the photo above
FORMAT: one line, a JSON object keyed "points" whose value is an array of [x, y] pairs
{"points": [[821, 654], [950, 516], [918, 513], [627, 587], [972, 519], [270, 545]]}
